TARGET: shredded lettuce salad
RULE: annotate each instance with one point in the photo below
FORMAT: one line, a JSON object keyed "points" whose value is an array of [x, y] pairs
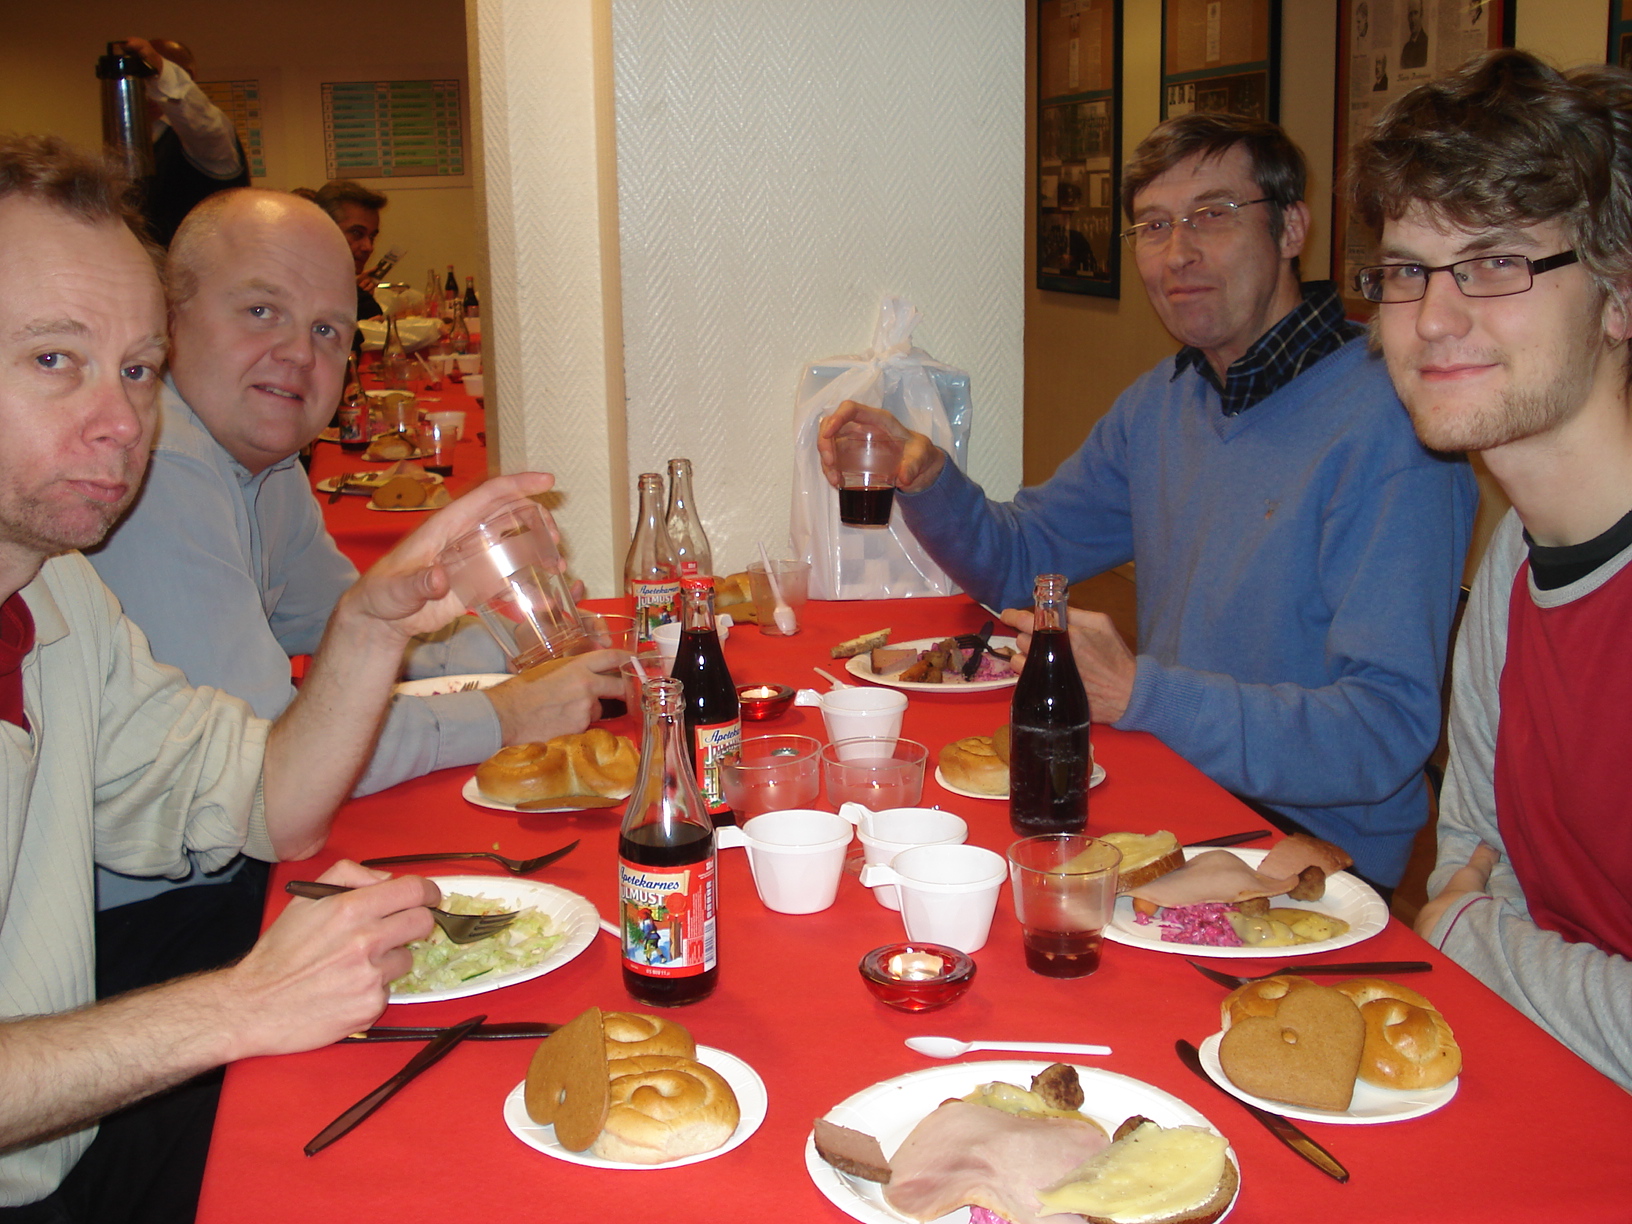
{"points": [[441, 964]]}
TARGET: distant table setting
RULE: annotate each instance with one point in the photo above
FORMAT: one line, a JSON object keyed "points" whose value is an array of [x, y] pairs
{"points": [[870, 899]]}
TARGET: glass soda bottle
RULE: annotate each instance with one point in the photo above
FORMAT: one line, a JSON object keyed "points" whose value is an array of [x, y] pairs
{"points": [[393, 358], [713, 713], [450, 295], [433, 296], [650, 576], [473, 304], [1049, 758], [691, 550], [666, 866], [353, 414]]}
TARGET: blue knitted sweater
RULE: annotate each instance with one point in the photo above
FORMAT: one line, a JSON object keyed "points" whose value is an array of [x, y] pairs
{"points": [[1298, 568]]}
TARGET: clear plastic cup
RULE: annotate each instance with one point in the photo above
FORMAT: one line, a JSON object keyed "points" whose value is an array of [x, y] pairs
{"points": [[876, 773]]}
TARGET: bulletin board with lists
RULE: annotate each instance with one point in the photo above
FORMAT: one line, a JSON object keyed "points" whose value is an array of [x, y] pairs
{"points": [[393, 129]]}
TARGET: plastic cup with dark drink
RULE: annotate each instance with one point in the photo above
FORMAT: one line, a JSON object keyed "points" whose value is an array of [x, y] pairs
{"points": [[1064, 892], [868, 457], [508, 571], [438, 438]]}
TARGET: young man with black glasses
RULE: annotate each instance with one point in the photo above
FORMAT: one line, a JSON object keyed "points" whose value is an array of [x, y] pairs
{"points": [[1503, 193], [1298, 550]]}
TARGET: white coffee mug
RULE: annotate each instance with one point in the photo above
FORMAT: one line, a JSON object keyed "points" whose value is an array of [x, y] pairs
{"points": [[874, 713], [948, 893], [886, 834], [797, 857]]}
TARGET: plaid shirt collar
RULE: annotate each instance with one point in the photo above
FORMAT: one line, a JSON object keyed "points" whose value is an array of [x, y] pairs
{"points": [[1312, 330]]}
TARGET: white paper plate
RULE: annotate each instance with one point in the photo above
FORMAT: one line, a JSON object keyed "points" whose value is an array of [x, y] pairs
{"points": [[363, 484], [861, 667], [574, 914], [888, 1111], [1347, 897], [1370, 1105], [425, 509], [1094, 779], [437, 686], [473, 794], [744, 1080]]}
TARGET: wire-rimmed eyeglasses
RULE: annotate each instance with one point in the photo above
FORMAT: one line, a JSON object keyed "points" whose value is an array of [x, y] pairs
{"points": [[1212, 218], [1486, 276]]}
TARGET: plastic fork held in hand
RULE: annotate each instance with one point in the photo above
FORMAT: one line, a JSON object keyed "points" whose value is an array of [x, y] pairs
{"points": [[461, 928], [1346, 969], [513, 866]]}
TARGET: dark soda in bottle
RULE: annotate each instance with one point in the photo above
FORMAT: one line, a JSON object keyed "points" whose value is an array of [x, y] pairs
{"points": [[667, 894], [713, 717], [1049, 759]]}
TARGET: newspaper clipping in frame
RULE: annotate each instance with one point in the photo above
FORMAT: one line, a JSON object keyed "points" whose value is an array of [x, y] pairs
{"points": [[1394, 46]]}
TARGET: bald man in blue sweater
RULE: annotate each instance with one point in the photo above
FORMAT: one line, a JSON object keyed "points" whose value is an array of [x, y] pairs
{"points": [[1299, 552]]}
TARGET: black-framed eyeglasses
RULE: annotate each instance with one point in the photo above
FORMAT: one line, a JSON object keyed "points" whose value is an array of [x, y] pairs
{"points": [[1208, 219], [1486, 276]]}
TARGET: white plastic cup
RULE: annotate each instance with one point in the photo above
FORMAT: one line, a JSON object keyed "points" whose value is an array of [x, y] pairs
{"points": [[473, 386], [796, 857], [857, 713], [469, 363], [886, 834], [948, 893]]}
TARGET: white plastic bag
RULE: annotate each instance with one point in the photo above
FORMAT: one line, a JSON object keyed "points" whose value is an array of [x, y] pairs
{"points": [[922, 393]]}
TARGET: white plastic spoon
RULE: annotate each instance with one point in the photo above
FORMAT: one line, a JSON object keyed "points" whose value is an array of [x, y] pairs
{"points": [[951, 1047], [786, 620]]}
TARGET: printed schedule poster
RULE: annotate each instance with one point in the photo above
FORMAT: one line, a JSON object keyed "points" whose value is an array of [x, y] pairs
{"points": [[240, 101], [393, 129]]}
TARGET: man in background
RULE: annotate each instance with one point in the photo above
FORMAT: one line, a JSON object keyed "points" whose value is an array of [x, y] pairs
{"points": [[1298, 551], [1504, 291], [225, 563], [195, 149], [356, 210]]}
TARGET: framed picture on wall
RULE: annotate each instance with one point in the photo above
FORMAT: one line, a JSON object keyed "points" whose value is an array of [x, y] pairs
{"points": [[1620, 34], [1223, 56], [1079, 145], [1386, 48]]}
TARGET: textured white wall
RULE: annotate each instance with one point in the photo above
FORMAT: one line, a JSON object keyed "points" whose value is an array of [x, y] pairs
{"points": [[780, 164]]}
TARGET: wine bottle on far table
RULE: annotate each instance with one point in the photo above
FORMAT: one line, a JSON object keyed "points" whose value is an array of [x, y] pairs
{"points": [[667, 895], [1049, 758]]}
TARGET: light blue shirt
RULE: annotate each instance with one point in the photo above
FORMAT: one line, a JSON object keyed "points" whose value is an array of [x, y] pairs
{"points": [[230, 574]]}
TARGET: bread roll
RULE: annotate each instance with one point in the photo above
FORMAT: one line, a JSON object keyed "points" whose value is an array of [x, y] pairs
{"points": [[665, 1108], [630, 1034], [971, 764], [1409, 1045], [731, 590], [593, 763]]}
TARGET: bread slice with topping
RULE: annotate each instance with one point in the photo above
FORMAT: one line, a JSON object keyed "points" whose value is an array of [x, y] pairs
{"points": [[1151, 1174], [860, 645], [1145, 856]]}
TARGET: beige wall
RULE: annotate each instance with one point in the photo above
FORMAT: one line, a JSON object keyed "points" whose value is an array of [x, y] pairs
{"points": [[1082, 352], [49, 84]]}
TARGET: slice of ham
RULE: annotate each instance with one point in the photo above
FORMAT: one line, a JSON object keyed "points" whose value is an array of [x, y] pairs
{"points": [[1292, 854], [1216, 875], [967, 1155]]}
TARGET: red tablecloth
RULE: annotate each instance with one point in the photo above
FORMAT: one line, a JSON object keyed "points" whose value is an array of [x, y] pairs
{"points": [[366, 535], [1533, 1134]]}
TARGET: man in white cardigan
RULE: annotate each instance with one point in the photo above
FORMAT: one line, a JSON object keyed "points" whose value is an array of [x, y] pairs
{"points": [[109, 757]]}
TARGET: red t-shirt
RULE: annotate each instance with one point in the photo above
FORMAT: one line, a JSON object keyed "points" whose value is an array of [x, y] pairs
{"points": [[1564, 760], [16, 640]]}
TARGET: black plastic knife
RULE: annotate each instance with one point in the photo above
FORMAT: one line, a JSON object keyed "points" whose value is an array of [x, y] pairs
{"points": [[504, 1031], [429, 1055], [1230, 839], [1281, 1128]]}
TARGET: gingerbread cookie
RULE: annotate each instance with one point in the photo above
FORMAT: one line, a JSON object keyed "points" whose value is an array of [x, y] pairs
{"points": [[1307, 1053], [567, 1082]]}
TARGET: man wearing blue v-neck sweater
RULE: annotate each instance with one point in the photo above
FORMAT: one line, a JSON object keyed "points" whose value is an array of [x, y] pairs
{"points": [[1299, 551]]}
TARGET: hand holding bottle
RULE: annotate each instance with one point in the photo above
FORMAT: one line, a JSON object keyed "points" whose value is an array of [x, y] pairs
{"points": [[1104, 661]]}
